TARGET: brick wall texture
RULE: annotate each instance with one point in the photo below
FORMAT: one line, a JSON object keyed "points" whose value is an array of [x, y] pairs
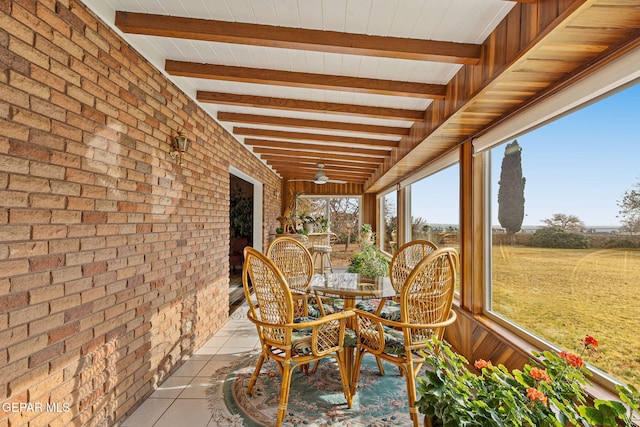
{"points": [[113, 258]]}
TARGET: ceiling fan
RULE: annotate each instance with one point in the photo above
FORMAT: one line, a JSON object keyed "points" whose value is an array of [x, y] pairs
{"points": [[320, 177]]}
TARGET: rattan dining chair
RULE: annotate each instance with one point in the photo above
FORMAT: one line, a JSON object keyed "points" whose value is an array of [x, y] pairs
{"points": [[403, 262], [425, 312], [405, 259], [288, 343], [296, 265]]}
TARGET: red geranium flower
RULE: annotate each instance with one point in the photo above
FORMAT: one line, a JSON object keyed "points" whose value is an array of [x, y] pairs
{"points": [[535, 394], [590, 342], [539, 374], [572, 359], [480, 364]]}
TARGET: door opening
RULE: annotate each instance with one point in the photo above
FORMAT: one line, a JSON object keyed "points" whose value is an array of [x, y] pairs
{"points": [[241, 208]]}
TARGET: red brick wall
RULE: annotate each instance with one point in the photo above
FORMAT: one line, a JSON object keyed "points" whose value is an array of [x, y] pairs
{"points": [[113, 259]]}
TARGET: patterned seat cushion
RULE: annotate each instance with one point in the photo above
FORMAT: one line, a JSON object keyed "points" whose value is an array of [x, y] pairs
{"points": [[393, 339], [330, 306], [390, 311]]}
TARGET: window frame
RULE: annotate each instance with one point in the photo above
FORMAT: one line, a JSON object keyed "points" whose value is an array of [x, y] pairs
{"points": [[446, 161], [328, 197], [380, 241], [614, 77]]}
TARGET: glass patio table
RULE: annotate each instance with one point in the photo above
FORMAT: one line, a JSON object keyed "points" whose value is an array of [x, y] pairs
{"points": [[351, 287]]}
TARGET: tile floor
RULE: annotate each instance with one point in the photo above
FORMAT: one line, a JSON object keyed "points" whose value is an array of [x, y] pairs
{"points": [[181, 400]]}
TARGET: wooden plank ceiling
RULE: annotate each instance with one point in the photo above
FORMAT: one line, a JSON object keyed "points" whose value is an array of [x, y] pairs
{"points": [[372, 90]]}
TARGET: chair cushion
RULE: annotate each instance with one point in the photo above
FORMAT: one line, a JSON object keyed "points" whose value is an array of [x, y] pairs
{"points": [[390, 311], [393, 340], [330, 306], [301, 338], [350, 337]]}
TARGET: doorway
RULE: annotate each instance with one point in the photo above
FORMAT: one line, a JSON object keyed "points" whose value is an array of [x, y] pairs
{"points": [[241, 208]]}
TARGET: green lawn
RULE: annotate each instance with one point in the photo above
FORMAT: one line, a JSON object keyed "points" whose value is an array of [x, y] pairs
{"points": [[564, 294]]}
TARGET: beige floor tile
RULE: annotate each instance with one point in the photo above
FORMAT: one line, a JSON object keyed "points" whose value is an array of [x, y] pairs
{"points": [[148, 413], [190, 368], [197, 388], [186, 412]]}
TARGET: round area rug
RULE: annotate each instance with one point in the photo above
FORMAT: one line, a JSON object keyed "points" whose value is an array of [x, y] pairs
{"points": [[315, 399]]}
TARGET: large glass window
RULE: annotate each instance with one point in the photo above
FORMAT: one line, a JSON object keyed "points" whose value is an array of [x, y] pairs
{"points": [[314, 211], [435, 207], [340, 215], [566, 245]]}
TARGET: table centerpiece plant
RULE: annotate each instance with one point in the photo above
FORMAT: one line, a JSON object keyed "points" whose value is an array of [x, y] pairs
{"points": [[550, 391], [370, 262]]}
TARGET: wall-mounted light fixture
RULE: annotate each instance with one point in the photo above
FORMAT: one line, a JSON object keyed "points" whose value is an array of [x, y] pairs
{"points": [[179, 146]]}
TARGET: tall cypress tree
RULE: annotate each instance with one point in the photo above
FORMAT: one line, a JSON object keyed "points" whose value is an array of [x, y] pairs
{"points": [[511, 192]]}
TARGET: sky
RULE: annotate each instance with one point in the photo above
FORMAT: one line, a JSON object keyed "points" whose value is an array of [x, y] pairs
{"points": [[579, 165]]}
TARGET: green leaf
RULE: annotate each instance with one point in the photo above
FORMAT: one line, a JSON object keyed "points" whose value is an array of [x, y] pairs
{"points": [[604, 412]]}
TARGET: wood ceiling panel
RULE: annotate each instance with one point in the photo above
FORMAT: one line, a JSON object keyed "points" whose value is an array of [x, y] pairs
{"points": [[294, 154], [475, 122], [297, 38], [275, 159], [310, 166], [570, 51], [315, 137], [610, 16], [313, 147], [534, 49], [304, 80], [311, 124], [309, 106], [309, 174], [348, 189], [333, 174], [598, 38]]}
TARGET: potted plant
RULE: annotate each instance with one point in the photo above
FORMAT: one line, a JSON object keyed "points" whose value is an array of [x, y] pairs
{"points": [[366, 233], [323, 223], [547, 392], [241, 214], [369, 262], [308, 223]]}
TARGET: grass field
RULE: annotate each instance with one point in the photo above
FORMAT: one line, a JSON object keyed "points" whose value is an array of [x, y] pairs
{"points": [[564, 294]]}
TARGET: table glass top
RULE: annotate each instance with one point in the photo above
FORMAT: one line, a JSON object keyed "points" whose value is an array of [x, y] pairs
{"points": [[351, 285]]}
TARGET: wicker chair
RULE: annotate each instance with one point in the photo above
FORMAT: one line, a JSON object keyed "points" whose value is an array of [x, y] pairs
{"points": [[425, 311], [293, 259], [405, 260], [402, 264], [288, 343]]}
